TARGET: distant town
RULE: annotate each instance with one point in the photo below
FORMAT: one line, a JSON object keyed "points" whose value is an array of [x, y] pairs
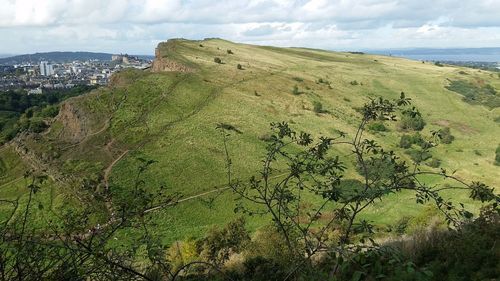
{"points": [[38, 76]]}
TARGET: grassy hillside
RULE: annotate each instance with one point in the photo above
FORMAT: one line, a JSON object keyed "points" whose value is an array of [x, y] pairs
{"points": [[170, 117]]}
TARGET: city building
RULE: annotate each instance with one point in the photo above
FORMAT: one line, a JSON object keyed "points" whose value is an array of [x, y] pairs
{"points": [[46, 69]]}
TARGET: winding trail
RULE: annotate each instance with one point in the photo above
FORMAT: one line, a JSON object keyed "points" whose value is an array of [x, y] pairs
{"points": [[104, 128], [11, 182], [107, 171]]}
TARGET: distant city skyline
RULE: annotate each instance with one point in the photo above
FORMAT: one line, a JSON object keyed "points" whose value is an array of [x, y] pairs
{"points": [[137, 26]]}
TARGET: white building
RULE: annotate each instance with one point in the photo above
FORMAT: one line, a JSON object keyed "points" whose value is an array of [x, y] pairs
{"points": [[46, 69], [37, 91]]}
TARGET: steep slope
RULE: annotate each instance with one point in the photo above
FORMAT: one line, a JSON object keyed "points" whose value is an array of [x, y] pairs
{"points": [[169, 115]]}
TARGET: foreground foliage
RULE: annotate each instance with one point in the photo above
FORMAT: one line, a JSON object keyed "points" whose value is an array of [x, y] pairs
{"points": [[314, 230]]}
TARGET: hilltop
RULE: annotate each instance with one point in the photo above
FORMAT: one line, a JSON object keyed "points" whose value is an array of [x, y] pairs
{"points": [[168, 114]]}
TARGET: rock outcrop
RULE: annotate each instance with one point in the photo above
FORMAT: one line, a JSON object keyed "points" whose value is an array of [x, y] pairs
{"points": [[165, 62], [73, 122]]}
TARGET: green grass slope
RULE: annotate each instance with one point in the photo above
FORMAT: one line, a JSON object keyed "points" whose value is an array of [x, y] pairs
{"points": [[170, 117]]}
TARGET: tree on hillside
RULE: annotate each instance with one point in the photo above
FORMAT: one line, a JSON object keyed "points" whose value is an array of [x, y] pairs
{"points": [[314, 175]]}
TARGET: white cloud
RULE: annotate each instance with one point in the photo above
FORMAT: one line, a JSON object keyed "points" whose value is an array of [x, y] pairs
{"points": [[136, 25]]}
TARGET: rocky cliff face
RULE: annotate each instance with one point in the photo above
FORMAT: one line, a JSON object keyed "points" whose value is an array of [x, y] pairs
{"points": [[164, 62], [73, 121]]}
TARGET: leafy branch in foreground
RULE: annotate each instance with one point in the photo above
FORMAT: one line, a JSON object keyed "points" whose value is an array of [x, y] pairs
{"points": [[314, 177], [69, 247]]}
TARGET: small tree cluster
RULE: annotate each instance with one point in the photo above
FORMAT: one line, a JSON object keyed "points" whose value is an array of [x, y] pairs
{"points": [[406, 141], [412, 120]]}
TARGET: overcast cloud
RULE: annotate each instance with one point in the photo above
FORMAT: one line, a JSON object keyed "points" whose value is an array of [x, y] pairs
{"points": [[136, 26]]}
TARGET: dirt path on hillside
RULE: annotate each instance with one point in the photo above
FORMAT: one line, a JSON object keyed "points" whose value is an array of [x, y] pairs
{"points": [[107, 171], [104, 128], [11, 182]]}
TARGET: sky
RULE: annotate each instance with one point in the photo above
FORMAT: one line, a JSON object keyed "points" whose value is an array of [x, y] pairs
{"points": [[137, 26]]}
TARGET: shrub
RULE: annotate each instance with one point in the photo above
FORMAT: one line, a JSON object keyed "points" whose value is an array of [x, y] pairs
{"points": [[354, 83], [406, 141], [497, 156], [37, 125], [476, 244], [298, 79], [434, 163], [438, 64], [217, 60], [49, 111], [445, 135], [377, 127], [182, 253], [230, 52], [419, 155], [218, 244], [476, 93], [295, 90], [318, 107], [376, 168], [412, 120], [239, 66]]}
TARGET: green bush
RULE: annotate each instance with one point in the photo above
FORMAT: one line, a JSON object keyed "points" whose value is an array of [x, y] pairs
{"points": [[446, 136], [406, 141], [471, 252], [219, 244], [37, 125], [295, 90], [354, 83], [49, 111], [239, 66], [377, 127], [412, 121], [497, 156], [217, 60], [476, 93], [419, 155], [434, 163], [377, 168], [318, 107]]}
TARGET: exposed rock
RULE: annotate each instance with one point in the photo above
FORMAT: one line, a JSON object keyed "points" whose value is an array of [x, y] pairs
{"points": [[165, 64], [163, 58], [74, 122]]}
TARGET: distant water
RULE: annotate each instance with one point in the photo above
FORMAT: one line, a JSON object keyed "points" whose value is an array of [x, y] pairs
{"points": [[465, 57], [459, 55]]}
